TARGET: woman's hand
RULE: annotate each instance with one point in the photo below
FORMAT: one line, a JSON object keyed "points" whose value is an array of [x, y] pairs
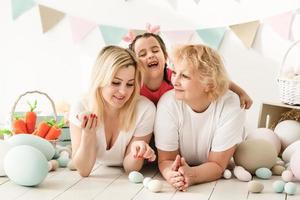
{"points": [[142, 150], [89, 124]]}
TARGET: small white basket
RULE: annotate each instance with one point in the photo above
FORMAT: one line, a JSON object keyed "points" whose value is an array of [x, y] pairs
{"points": [[289, 89]]}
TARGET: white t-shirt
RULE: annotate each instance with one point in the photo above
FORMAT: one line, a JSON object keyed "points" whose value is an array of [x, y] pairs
{"points": [[115, 155], [218, 128]]}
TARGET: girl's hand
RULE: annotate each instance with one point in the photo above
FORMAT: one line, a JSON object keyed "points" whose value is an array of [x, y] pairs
{"points": [[245, 100], [141, 150]]}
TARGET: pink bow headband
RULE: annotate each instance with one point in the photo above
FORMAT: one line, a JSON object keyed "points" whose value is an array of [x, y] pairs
{"points": [[130, 36]]}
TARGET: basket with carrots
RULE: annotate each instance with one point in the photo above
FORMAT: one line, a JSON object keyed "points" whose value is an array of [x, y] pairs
{"points": [[49, 129]]}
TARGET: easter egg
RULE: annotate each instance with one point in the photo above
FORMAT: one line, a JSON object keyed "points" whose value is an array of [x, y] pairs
{"points": [[25, 165], [255, 186], [241, 174], [155, 185], [263, 173], [290, 188], [277, 170], [287, 175], [35, 141], [146, 181], [4, 148], [288, 152], [268, 135], [227, 174], [295, 164], [135, 177], [278, 186], [288, 132], [255, 153]]}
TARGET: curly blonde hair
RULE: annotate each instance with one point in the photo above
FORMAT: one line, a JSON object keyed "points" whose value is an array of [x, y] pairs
{"points": [[208, 63]]}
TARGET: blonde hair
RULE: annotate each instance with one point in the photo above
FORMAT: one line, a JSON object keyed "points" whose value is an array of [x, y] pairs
{"points": [[108, 62], [208, 63]]}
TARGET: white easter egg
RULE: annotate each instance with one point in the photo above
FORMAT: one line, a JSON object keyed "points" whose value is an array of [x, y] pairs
{"points": [[4, 148], [227, 174], [295, 163], [35, 141], [288, 152], [268, 135], [155, 186], [146, 181], [288, 132], [25, 165], [135, 177]]}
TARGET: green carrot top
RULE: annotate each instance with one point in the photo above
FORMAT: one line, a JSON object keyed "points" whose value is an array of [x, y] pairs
{"points": [[32, 107]]}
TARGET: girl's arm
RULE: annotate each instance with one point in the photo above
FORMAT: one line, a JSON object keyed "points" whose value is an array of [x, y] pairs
{"points": [[245, 99], [137, 150], [84, 144]]}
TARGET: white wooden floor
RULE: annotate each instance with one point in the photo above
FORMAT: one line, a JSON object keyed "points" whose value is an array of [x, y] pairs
{"points": [[112, 183]]}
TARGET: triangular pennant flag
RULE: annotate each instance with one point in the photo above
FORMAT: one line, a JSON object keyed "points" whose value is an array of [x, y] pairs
{"points": [[178, 37], [49, 17], [112, 35], [18, 7], [212, 36], [80, 28], [281, 23], [246, 32], [196, 1], [173, 3]]}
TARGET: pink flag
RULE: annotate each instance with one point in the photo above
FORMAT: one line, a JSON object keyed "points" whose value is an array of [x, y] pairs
{"points": [[80, 28], [281, 23]]}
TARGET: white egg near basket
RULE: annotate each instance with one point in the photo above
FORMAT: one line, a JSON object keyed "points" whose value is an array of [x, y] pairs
{"points": [[289, 89]]}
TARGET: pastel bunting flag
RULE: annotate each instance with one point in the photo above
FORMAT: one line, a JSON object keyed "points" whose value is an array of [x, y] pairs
{"points": [[18, 7], [178, 37], [112, 35], [80, 28], [246, 32], [49, 17], [281, 23], [212, 36], [196, 1]]}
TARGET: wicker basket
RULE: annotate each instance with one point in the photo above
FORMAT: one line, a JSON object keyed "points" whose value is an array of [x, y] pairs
{"points": [[53, 142], [289, 89]]}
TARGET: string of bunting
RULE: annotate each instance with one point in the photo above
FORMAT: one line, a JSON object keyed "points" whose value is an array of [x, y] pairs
{"points": [[213, 37]]}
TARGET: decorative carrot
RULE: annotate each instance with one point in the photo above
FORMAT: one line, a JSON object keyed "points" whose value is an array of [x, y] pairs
{"points": [[54, 131], [19, 126], [30, 118], [43, 129]]}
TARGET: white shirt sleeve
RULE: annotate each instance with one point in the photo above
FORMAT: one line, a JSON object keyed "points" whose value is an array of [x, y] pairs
{"points": [[76, 108], [145, 117], [230, 129], [166, 124]]}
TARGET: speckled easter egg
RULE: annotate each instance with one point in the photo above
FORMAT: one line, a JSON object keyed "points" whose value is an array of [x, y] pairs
{"points": [[278, 186], [255, 186], [25, 165], [135, 177], [35, 141], [290, 188], [268, 135], [295, 164], [155, 185], [288, 152], [263, 173], [4, 148], [255, 153], [288, 132]]}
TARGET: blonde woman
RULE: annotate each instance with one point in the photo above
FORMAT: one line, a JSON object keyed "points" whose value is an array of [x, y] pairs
{"points": [[200, 122], [120, 124]]}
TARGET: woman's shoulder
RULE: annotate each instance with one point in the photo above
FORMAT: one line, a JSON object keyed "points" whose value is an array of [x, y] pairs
{"points": [[144, 103]]}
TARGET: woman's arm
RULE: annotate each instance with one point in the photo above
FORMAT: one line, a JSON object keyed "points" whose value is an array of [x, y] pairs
{"points": [[137, 150], [84, 145], [245, 99]]}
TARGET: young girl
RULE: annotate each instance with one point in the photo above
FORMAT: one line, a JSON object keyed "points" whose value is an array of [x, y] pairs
{"points": [[120, 124], [200, 122], [151, 50]]}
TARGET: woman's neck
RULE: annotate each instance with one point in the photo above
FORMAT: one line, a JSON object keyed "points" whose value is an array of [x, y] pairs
{"points": [[153, 83], [199, 105], [111, 112]]}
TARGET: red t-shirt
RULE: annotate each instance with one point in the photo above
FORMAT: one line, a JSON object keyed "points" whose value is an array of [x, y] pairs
{"points": [[154, 96]]}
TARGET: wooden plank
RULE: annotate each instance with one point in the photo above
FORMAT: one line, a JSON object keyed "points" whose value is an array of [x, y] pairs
{"points": [[122, 188], [268, 192], [232, 189], [89, 187], [3, 179]]}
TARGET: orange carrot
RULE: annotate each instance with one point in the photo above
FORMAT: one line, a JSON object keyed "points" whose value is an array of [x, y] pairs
{"points": [[30, 118], [43, 129], [54, 131], [19, 126]]}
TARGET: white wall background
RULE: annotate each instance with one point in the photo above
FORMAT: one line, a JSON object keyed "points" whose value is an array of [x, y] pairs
{"points": [[52, 63]]}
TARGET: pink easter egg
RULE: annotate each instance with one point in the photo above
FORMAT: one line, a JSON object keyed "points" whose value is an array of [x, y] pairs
{"points": [[268, 135], [295, 163], [287, 175]]}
